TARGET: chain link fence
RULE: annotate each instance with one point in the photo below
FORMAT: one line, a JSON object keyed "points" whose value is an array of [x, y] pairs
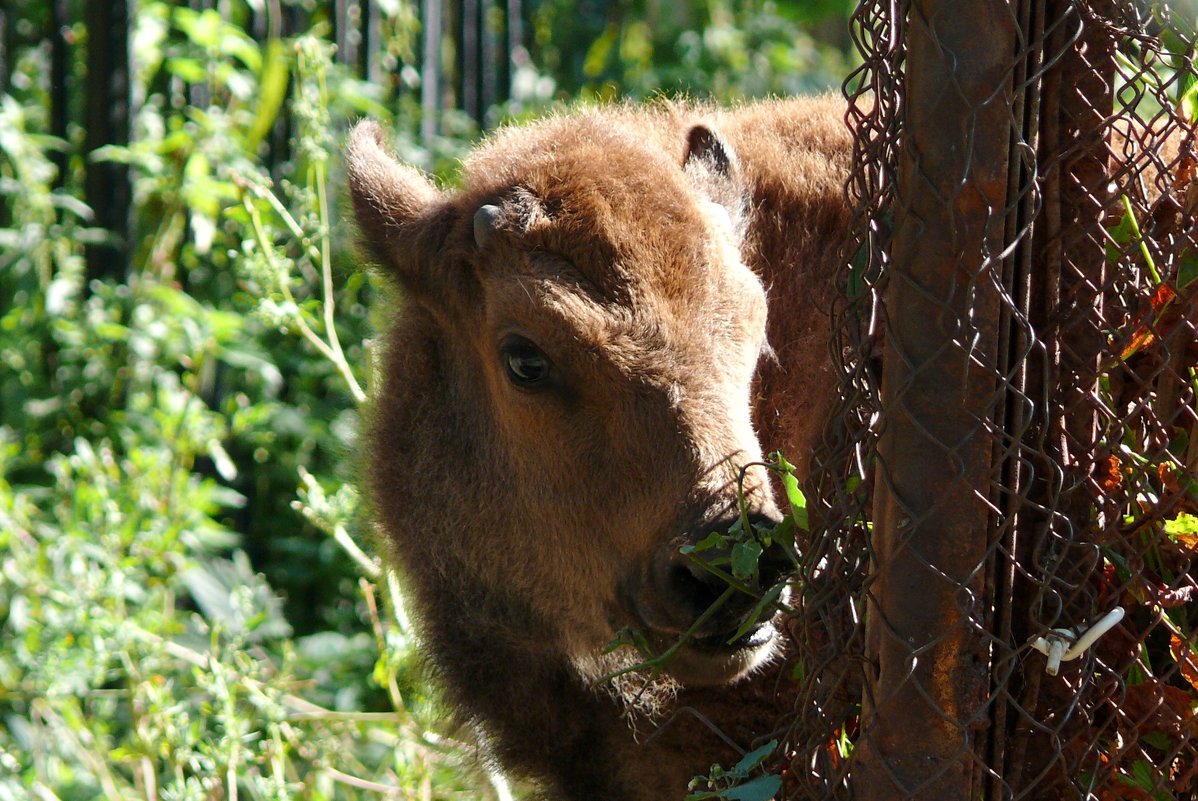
{"points": [[999, 600]]}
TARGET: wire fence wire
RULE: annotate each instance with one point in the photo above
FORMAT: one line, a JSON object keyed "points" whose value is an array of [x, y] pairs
{"points": [[999, 600]]}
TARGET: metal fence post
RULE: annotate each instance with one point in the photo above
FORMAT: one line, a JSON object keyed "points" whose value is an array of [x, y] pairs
{"points": [[925, 643], [107, 121], [430, 74]]}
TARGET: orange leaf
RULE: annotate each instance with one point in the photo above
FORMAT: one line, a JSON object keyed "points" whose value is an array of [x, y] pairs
{"points": [[1161, 296], [1140, 340], [1167, 473], [1187, 660], [1110, 475], [1145, 334]]}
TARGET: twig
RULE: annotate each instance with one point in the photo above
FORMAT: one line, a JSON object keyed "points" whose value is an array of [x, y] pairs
{"points": [[296, 230]]}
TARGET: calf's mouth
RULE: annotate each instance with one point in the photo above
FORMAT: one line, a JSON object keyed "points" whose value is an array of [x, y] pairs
{"points": [[702, 625], [713, 660]]}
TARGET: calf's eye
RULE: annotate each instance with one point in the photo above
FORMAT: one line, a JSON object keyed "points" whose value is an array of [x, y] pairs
{"points": [[527, 367]]}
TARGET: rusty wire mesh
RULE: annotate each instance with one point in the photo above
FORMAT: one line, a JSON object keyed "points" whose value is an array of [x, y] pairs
{"points": [[1017, 447]]}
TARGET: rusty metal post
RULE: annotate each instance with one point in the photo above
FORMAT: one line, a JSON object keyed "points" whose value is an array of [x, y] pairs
{"points": [[925, 643]]}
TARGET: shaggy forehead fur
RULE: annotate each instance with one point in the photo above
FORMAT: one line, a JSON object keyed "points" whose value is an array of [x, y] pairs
{"points": [[596, 190]]}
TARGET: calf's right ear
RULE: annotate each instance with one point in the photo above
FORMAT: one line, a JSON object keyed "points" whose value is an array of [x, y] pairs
{"points": [[395, 205], [713, 168]]}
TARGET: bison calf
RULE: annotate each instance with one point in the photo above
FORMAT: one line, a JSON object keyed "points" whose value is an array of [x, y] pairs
{"points": [[595, 334]]}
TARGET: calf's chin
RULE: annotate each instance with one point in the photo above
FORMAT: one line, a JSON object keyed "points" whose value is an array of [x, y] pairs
{"points": [[591, 340]]}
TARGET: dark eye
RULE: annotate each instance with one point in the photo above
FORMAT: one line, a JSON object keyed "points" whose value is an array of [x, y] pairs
{"points": [[527, 367]]}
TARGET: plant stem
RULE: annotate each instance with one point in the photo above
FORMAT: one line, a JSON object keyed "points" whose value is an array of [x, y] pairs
{"points": [[326, 271], [397, 702], [369, 566], [1135, 227], [336, 356], [727, 578], [296, 230], [658, 662], [303, 709], [361, 784]]}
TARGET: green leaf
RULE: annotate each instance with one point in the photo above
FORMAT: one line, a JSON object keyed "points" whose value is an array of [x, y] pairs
{"points": [[254, 362], [784, 531], [797, 500], [629, 636], [600, 52], [203, 28], [113, 332], [712, 540], [234, 42], [753, 618], [198, 186], [272, 91], [762, 788], [1187, 266], [1187, 101], [1158, 740], [1146, 777], [744, 559], [755, 758], [780, 460], [1184, 525], [794, 495], [189, 69]]}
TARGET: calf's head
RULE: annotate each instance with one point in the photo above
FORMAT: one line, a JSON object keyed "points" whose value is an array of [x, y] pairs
{"points": [[564, 399]]}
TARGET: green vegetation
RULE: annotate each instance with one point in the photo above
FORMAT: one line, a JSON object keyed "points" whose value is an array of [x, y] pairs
{"points": [[190, 603], [735, 784]]}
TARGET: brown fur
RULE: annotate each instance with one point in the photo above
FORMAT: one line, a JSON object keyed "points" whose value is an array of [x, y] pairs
{"points": [[532, 525]]}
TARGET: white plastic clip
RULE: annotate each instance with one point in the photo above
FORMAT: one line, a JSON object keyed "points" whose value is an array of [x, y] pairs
{"points": [[1065, 645]]}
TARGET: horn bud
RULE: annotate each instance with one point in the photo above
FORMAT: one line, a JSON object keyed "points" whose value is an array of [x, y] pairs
{"points": [[486, 223]]}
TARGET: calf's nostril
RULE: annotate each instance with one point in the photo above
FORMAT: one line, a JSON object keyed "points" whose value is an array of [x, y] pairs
{"points": [[775, 563]]}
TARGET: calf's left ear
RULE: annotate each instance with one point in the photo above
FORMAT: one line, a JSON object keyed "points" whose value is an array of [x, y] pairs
{"points": [[712, 166]]}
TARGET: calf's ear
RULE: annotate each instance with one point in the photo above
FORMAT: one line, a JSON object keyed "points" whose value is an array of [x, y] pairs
{"points": [[712, 167], [396, 207]]}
